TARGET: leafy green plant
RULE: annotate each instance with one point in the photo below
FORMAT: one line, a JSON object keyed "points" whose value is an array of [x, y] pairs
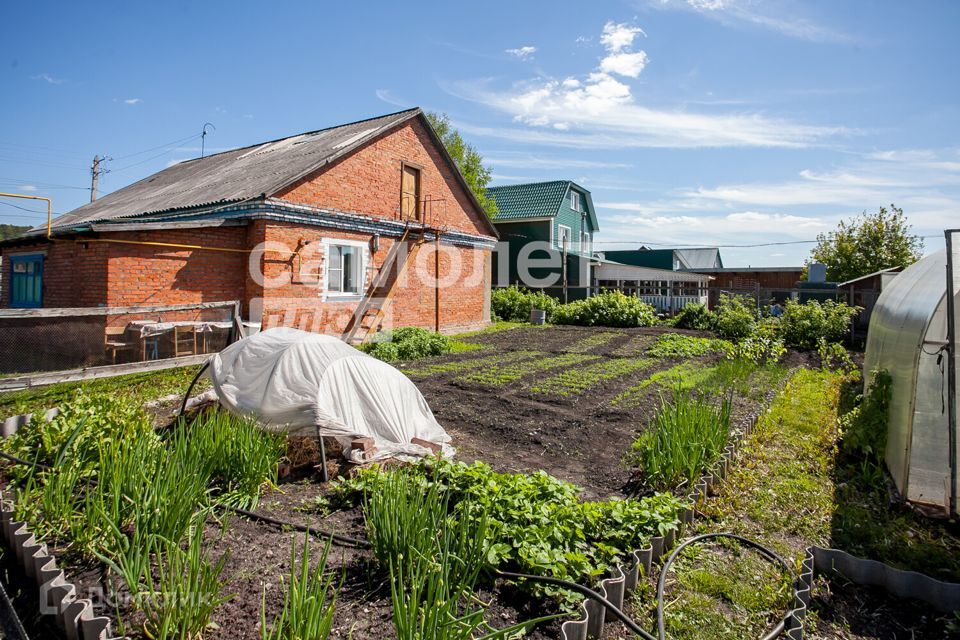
{"points": [[607, 309], [515, 303], [592, 342], [803, 325], [758, 349], [735, 316], [685, 437], [678, 345], [406, 343], [536, 523], [309, 598], [576, 381], [835, 357], [694, 316], [498, 375], [864, 428]]}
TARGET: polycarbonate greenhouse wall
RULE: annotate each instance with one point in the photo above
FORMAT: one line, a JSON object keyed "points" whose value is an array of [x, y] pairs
{"points": [[908, 331]]}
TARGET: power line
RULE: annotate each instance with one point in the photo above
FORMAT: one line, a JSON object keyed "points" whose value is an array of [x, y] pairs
{"points": [[159, 146], [723, 246]]}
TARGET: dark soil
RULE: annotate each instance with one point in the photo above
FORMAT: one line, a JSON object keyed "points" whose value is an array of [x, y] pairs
{"points": [[841, 610]]}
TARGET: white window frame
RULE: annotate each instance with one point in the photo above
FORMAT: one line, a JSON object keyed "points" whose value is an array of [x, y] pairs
{"points": [[586, 242], [576, 201], [364, 248], [560, 228]]}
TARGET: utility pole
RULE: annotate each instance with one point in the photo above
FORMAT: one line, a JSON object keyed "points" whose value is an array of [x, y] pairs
{"points": [[94, 177]]}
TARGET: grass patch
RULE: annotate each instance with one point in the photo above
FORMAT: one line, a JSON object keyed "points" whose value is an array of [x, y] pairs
{"points": [[138, 387], [576, 381], [684, 376], [498, 375], [585, 345], [495, 327], [469, 364], [781, 495]]}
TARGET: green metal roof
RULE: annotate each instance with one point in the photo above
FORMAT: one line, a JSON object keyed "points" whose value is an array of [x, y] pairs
{"points": [[534, 200]]}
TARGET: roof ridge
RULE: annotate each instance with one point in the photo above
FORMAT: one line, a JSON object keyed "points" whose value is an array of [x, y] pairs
{"points": [[304, 133], [527, 184]]}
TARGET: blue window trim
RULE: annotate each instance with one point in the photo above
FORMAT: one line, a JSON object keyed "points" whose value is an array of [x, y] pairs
{"points": [[21, 304]]}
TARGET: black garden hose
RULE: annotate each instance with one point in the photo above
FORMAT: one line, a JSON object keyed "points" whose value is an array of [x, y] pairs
{"points": [[186, 396], [661, 622]]}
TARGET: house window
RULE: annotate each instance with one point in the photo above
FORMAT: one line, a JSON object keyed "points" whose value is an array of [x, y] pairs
{"points": [[26, 281], [409, 192], [344, 269], [564, 240], [586, 243], [574, 200]]}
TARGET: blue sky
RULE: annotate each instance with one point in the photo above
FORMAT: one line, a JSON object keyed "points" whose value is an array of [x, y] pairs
{"points": [[693, 122]]}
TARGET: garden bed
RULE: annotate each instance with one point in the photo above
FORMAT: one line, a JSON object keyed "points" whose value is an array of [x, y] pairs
{"points": [[568, 400]]}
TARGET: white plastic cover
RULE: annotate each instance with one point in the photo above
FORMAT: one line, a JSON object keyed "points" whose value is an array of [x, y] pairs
{"points": [[310, 384]]}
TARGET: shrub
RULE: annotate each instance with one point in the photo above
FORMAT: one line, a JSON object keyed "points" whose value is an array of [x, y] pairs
{"points": [[515, 303], [694, 316], [864, 428], [758, 349], [804, 324], [607, 309], [735, 317], [406, 343]]}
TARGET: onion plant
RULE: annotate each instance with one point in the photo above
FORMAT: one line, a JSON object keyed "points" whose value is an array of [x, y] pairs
{"points": [[434, 560], [686, 436], [308, 600]]}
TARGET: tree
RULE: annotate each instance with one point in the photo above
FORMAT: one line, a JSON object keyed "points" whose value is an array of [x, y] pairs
{"points": [[11, 231], [867, 243], [467, 159]]}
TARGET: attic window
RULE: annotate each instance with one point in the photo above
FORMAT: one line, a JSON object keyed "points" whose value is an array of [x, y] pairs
{"points": [[575, 200]]}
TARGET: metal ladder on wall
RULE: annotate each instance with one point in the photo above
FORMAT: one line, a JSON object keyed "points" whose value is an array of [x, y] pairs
{"points": [[367, 315]]}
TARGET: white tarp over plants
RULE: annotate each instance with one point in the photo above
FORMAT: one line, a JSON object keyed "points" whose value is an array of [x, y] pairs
{"points": [[312, 384]]}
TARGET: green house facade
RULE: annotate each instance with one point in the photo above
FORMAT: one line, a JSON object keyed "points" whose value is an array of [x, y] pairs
{"points": [[544, 226]]}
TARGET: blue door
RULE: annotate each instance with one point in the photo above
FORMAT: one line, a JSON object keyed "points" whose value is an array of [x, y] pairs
{"points": [[26, 281]]}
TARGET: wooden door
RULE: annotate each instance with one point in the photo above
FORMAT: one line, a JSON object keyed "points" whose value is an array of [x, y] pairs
{"points": [[410, 193]]}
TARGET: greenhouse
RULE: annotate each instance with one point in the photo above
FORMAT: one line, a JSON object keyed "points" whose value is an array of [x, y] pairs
{"points": [[908, 338]]}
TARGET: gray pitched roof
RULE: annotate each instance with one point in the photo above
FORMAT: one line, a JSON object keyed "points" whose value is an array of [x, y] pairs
{"points": [[240, 174], [700, 258]]}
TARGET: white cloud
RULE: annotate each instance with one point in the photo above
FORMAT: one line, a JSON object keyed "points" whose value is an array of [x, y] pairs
{"points": [[600, 111], [27, 187], [133, 101], [617, 37], [522, 52], [744, 13], [624, 64], [535, 161], [46, 77]]}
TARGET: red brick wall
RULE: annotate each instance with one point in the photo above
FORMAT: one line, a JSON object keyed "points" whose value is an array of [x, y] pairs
{"points": [[73, 276], [368, 182], [300, 301], [148, 275]]}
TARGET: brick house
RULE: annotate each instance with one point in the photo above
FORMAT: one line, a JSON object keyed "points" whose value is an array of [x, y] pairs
{"points": [[320, 230]]}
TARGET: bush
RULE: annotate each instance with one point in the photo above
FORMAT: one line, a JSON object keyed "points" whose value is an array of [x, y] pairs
{"points": [[758, 349], [735, 317], [803, 325], [864, 429], [694, 316], [406, 343], [607, 309], [515, 303]]}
